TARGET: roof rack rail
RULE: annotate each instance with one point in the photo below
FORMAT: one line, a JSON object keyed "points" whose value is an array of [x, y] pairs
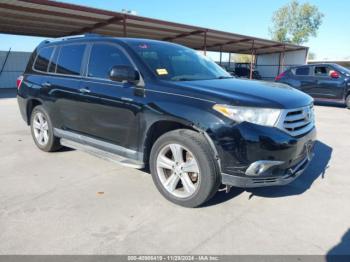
{"points": [[77, 36], [64, 38]]}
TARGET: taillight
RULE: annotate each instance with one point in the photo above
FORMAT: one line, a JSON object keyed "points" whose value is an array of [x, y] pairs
{"points": [[19, 81], [279, 77]]}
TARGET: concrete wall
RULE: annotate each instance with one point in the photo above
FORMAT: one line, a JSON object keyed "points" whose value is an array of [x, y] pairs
{"points": [[268, 64], [15, 65]]}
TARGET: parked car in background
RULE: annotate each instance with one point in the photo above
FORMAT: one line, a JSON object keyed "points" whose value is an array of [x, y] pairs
{"points": [[231, 72], [147, 103], [324, 82], [244, 72]]}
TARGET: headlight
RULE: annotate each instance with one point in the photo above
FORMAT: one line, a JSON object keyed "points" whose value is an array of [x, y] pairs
{"points": [[259, 116]]}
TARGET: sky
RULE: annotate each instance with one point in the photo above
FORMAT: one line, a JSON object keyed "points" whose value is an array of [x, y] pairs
{"points": [[245, 17]]}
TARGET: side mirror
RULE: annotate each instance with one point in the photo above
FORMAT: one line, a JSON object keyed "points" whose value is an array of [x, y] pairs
{"points": [[124, 73], [334, 74]]}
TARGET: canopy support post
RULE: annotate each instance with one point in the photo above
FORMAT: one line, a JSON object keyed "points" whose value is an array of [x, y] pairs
{"points": [[252, 61], [124, 27], [205, 43], [283, 58], [229, 60]]}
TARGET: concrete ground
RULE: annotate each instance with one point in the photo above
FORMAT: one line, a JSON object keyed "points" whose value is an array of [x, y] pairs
{"points": [[73, 203]]}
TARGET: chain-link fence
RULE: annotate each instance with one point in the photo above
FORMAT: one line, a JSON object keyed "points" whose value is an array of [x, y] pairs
{"points": [[267, 72]]}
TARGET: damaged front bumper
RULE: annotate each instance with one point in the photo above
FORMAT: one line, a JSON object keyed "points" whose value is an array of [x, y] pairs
{"points": [[255, 181]]}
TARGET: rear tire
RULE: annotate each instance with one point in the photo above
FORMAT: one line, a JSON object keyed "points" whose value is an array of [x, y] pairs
{"points": [[184, 168], [347, 101], [42, 130]]}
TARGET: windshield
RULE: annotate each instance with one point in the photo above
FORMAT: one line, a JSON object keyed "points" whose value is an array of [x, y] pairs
{"points": [[342, 69], [177, 63]]}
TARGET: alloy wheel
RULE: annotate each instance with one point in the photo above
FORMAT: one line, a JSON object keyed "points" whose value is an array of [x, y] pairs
{"points": [[178, 170], [41, 129]]}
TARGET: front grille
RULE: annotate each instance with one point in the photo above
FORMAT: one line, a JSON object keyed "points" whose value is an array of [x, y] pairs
{"points": [[298, 122]]}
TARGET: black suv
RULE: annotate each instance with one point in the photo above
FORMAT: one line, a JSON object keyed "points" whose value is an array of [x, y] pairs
{"points": [[324, 82], [155, 104]]}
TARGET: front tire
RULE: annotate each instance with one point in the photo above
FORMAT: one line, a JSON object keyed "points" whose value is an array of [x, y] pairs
{"points": [[184, 168], [42, 130]]}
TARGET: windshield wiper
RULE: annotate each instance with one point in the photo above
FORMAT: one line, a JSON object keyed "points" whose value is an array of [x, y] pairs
{"points": [[194, 79], [183, 79], [224, 77]]}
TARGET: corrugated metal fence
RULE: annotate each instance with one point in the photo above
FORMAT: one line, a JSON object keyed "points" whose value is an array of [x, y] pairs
{"points": [[13, 66]]}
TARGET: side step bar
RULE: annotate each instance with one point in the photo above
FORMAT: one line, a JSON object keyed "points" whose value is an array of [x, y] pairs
{"points": [[102, 154]]}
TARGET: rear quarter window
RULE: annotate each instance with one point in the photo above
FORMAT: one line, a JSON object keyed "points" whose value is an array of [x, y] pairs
{"points": [[43, 59]]}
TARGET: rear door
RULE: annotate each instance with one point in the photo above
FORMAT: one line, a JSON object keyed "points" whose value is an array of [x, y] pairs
{"points": [[327, 87], [304, 79], [65, 79], [39, 80]]}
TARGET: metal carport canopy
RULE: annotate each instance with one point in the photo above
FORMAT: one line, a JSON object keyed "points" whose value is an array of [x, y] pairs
{"points": [[56, 19]]}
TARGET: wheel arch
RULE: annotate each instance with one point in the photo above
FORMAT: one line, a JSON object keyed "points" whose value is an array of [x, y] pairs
{"points": [[347, 98], [159, 128], [347, 93], [31, 104], [156, 130]]}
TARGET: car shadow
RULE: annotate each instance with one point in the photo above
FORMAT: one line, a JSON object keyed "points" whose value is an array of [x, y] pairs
{"points": [[64, 149], [8, 93], [340, 252], [316, 169]]}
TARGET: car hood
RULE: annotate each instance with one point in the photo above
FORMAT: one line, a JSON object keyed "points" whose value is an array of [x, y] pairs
{"points": [[249, 93]]}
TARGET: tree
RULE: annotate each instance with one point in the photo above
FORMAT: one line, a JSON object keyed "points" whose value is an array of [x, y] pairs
{"points": [[296, 23], [312, 56], [241, 58]]}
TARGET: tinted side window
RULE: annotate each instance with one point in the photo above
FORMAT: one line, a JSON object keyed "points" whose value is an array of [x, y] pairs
{"points": [[103, 57], [43, 59], [302, 71], [322, 71], [70, 58]]}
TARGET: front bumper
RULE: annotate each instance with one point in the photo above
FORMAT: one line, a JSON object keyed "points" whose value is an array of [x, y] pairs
{"points": [[251, 182], [241, 146]]}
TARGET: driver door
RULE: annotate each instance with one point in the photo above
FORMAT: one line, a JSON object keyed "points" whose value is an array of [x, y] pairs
{"points": [[327, 87], [113, 106]]}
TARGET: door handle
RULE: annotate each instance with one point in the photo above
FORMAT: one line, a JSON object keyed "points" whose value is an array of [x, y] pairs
{"points": [[46, 84], [84, 90], [127, 99]]}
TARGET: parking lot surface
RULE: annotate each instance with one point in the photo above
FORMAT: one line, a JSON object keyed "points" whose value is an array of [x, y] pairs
{"points": [[72, 203]]}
